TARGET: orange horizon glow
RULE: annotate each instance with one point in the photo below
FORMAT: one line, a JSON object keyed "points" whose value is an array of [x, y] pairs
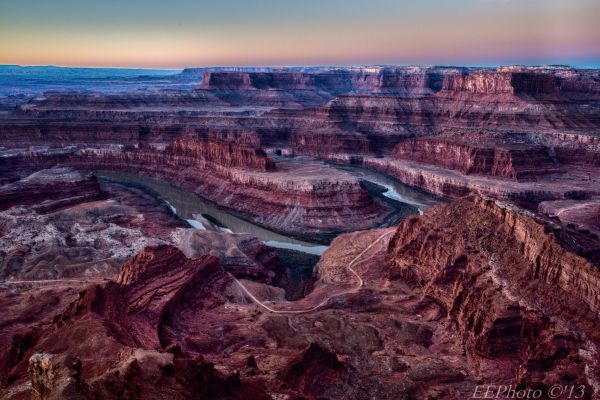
{"points": [[428, 32]]}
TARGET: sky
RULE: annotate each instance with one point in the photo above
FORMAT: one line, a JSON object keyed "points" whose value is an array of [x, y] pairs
{"points": [[185, 33]]}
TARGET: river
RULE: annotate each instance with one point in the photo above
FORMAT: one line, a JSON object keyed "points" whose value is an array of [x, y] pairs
{"points": [[396, 190], [204, 215]]}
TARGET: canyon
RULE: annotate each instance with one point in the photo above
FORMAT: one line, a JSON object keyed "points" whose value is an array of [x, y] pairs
{"points": [[327, 232]]}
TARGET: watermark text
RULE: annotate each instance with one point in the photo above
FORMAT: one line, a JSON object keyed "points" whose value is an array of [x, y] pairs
{"points": [[511, 392]]}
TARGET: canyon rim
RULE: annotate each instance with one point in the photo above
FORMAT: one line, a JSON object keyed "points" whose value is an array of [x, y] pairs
{"points": [[364, 230]]}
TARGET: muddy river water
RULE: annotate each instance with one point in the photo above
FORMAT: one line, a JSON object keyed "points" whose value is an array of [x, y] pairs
{"points": [[204, 215]]}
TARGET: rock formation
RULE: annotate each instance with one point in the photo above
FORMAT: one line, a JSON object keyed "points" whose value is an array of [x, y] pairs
{"points": [[545, 117], [306, 200], [514, 292], [398, 80], [55, 377], [59, 223], [105, 293], [476, 153], [49, 190], [440, 308]]}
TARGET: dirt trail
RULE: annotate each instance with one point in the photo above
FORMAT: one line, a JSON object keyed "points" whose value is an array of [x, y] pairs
{"points": [[325, 301]]}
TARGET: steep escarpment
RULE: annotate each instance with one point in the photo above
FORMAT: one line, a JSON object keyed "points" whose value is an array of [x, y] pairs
{"points": [[497, 100], [511, 288], [502, 82], [355, 124], [478, 154], [157, 279], [224, 154], [109, 342], [365, 110], [50, 190], [482, 129], [22, 133], [520, 112], [399, 80], [256, 80], [580, 85], [310, 198]]}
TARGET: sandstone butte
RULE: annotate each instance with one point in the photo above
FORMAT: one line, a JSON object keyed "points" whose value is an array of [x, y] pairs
{"points": [[106, 294]]}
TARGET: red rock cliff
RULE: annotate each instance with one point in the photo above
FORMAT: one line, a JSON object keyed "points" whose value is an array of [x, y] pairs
{"points": [[477, 157], [50, 190], [299, 199], [221, 153], [492, 82], [399, 80], [507, 283]]}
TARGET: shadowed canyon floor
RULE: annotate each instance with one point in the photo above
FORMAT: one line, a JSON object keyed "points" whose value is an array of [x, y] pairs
{"points": [[340, 233]]}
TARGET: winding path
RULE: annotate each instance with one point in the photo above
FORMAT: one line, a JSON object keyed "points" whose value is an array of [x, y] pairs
{"points": [[245, 289], [322, 303]]}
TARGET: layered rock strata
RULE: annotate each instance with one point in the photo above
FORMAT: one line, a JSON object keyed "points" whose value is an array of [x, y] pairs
{"points": [[398, 80], [61, 224], [301, 198], [444, 302], [513, 291], [50, 190], [476, 154]]}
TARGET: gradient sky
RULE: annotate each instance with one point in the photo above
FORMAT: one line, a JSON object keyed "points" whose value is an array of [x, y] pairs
{"points": [[180, 33]]}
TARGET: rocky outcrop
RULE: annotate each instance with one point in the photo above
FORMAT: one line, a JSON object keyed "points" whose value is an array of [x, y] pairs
{"points": [[56, 377], [445, 301], [322, 143], [583, 84], [24, 134], [545, 260], [492, 273], [309, 199], [498, 83], [551, 181], [474, 156], [495, 103], [50, 190], [315, 371], [149, 263], [399, 80], [256, 80], [158, 280], [356, 124], [141, 374], [224, 154], [124, 321]]}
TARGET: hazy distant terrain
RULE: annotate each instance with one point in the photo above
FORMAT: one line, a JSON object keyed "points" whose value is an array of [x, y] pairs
{"points": [[18, 80]]}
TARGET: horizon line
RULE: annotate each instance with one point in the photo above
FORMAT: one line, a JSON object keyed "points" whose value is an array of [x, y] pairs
{"points": [[358, 65]]}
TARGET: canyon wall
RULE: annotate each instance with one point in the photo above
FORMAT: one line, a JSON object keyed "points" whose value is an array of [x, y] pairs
{"points": [[513, 83], [50, 190], [309, 200], [398, 80], [508, 284], [475, 156], [223, 154], [447, 130]]}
